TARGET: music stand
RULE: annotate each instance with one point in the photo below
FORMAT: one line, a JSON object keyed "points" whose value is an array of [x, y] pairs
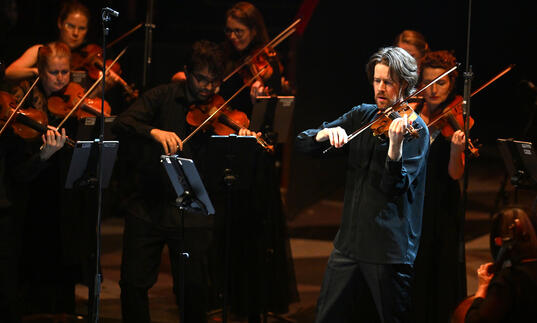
{"points": [[191, 196], [272, 116], [83, 170], [520, 162], [87, 129]]}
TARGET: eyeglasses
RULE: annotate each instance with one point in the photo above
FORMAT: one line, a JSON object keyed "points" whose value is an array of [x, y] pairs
{"points": [[237, 31], [72, 27], [204, 81]]}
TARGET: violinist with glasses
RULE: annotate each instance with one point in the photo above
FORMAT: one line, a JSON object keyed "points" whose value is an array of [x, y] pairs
{"points": [[440, 281], [370, 270], [158, 123]]}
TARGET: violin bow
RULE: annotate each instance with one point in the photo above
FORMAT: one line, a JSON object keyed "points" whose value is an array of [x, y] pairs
{"points": [[91, 88], [115, 41], [223, 105], [19, 106], [502, 73], [391, 109], [278, 39]]}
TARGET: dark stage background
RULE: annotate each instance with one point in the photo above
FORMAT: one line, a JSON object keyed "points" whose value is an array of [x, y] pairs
{"points": [[326, 62]]}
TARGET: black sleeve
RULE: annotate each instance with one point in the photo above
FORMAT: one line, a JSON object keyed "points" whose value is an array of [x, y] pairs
{"points": [[137, 119], [305, 141]]}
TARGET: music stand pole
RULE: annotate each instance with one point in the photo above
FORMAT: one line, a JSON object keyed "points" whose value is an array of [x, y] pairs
{"points": [[468, 74], [183, 202]]}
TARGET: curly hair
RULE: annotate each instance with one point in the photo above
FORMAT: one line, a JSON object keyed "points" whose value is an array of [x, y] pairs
{"points": [[440, 59], [203, 54]]}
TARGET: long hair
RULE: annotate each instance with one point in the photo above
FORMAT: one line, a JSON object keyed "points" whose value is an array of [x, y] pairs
{"points": [[248, 15], [53, 49], [403, 67]]}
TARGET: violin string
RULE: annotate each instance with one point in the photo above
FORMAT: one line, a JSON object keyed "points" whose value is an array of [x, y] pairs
{"points": [[91, 88]]}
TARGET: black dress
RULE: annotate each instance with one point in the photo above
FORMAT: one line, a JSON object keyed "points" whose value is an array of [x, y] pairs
{"points": [[439, 283]]}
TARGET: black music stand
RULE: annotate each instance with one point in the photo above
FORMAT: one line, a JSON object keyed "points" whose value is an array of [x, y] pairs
{"points": [[191, 197], [230, 167], [83, 170], [272, 116], [520, 162], [89, 128]]}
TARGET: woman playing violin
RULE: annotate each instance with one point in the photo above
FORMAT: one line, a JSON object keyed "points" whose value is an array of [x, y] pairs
{"points": [[53, 260], [246, 33], [440, 278], [72, 25]]}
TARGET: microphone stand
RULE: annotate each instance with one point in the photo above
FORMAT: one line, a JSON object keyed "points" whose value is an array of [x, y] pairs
{"points": [[468, 75], [149, 26], [93, 310]]}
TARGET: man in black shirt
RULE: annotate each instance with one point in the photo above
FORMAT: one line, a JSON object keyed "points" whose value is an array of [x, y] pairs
{"points": [[152, 126], [377, 242]]}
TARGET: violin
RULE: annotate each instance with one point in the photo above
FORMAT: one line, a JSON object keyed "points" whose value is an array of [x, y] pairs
{"points": [[450, 120], [382, 123], [90, 59], [28, 123], [61, 104], [226, 121], [272, 68], [261, 58]]}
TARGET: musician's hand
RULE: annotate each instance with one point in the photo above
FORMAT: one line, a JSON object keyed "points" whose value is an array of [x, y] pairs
{"points": [[257, 89], [484, 278], [247, 132], [169, 140], [458, 142], [52, 142], [337, 136], [396, 133]]}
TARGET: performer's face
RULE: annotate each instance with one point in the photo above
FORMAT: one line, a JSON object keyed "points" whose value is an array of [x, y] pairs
{"points": [[56, 74], [202, 84], [438, 92], [238, 34], [73, 29], [385, 88]]}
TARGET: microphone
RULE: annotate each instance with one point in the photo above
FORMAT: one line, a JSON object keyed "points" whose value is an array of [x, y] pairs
{"points": [[111, 11]]}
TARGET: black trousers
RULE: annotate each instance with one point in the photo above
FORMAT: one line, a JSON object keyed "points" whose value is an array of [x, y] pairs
{"points": [[142, 250], [354, 291]]}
